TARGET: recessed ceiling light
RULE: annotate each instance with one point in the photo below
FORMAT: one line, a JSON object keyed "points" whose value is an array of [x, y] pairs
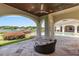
{"points": [[29, 10], [32, 7], [51, 10]]}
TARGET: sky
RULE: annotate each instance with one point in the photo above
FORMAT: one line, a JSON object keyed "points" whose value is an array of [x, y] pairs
{"points": [[16, 21]]}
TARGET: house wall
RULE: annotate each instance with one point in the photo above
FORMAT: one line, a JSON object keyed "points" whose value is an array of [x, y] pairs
{"points": [[70, 14]]}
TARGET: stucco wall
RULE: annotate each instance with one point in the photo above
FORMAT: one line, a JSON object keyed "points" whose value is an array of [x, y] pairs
{"points": [[69, 15]]}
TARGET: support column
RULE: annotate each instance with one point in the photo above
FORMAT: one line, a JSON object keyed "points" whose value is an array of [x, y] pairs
{"points": [[75, 29], [38, 29], [63, 29], [47, 34], [46, 46], [51, 26]]}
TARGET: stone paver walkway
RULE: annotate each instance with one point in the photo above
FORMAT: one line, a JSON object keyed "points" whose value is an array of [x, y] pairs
{"points": [[65, 46]]}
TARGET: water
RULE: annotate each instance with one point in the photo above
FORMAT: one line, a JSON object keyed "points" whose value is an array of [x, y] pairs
{"points": [[7, 30], [69, 34], [65, 33]]}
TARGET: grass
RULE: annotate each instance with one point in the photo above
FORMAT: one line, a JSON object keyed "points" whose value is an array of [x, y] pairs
{"points": [[7, 42]]}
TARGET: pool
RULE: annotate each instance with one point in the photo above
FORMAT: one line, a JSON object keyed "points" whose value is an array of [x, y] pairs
{"points": [[72, 34]]}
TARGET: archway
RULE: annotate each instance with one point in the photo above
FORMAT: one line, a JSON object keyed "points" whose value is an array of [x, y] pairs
{"points": [[19, 27], [69, 28]]}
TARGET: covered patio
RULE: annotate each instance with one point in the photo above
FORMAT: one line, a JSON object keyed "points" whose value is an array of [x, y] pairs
{"points": [[65, 46], [48, 44]]}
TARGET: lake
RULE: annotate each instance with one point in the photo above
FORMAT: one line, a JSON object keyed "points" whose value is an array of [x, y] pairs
{"points": [[7, 30]]}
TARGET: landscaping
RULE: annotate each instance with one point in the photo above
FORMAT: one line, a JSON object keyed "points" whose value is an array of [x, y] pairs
{"points": [[2, 43], [10, 37], [6, 42], [14, 34]]}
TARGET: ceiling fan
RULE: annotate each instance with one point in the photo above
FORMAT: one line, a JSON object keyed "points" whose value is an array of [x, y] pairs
{"points": [[42, 10]]}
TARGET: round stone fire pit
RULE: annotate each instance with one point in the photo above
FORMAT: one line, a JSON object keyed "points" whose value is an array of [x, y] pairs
{"points": [[45, 48]]}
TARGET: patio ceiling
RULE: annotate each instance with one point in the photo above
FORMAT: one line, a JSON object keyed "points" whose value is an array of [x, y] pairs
{"points": [[41, 9], [67, 22]]}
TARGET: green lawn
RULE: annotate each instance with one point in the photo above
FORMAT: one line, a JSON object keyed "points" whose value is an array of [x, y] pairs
{"points": [[6, 42]]}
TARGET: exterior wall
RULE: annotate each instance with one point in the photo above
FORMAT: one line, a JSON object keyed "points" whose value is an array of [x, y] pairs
{"points": [[67, 15], [71, 15]]}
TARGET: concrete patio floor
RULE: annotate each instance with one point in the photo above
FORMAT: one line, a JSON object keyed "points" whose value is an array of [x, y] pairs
{"points": [[66, 46]]}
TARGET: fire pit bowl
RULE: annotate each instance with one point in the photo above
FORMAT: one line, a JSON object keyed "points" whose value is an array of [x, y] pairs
{"points": [[46, 48]]}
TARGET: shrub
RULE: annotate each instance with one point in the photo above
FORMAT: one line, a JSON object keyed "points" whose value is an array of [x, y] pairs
{"points": [[13, 35]]}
